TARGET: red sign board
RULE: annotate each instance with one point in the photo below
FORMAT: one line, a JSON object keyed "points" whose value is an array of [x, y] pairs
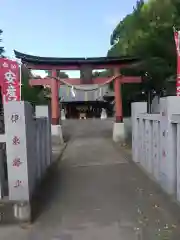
{"points": [[10, 80], [177, 41]]}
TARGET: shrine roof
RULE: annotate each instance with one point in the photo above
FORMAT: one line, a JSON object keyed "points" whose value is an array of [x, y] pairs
{"points": [[26, 58]]}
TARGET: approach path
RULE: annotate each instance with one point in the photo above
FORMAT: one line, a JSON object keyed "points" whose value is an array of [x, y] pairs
{"points": [[98, 194]]}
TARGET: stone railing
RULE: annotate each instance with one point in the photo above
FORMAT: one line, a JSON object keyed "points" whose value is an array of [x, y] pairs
{"points": [[156, 143], [28, 150]]}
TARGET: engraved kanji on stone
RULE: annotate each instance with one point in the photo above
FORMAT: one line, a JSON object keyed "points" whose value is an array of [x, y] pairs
{"points": [[14, 118], [17, 184], [10, 77], [17, 162], [16, 140]]}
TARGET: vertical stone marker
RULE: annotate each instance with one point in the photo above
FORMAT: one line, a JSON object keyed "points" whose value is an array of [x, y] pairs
{"points": [[16, 146]]}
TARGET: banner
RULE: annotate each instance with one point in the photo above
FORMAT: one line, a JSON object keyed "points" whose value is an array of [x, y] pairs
{"points": [[177, 41], [10, 80]]}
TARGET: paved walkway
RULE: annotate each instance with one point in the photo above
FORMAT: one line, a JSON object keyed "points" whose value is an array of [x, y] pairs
{"points": [[97, 194]]}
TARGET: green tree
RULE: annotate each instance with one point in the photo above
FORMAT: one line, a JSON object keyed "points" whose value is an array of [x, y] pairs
{"points": [[148, 34], [37, 94], [59, 74], [1, 48], [34, 95], [104, 73]]}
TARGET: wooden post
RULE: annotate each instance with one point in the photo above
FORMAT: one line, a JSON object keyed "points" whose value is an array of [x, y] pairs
{"points": [[55, 109], [118, 97]]}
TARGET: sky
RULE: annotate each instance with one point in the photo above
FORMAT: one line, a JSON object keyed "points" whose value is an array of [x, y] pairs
{"points": [[60, 28]]}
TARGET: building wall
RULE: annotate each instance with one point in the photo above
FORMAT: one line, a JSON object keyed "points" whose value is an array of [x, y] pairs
{"points": [[81, 96]]}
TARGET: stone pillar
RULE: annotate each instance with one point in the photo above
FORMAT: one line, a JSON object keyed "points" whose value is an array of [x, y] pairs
{"points": [[20, 149], [119, 129], [21, 155], [136, 109], [44, 111], [168, 139], [56, 131], [2, 172]]}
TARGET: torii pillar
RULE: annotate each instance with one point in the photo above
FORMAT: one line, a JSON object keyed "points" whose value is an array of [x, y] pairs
{"points": [[56, 129], [54, 100], [119, 128]]}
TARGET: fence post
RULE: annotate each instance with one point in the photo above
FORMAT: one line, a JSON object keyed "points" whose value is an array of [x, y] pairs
{"points": [[44, 111], [43, 145], [168, 106], [136, 109], [2, 173], [38, 150], [156, 149], [148, 145], [178, 161]]}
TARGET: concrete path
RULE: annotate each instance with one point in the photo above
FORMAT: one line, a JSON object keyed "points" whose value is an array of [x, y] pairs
{"points": [[97, 194]]}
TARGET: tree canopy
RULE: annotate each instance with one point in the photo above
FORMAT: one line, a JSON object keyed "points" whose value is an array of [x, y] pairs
{"points": [[148, 33], [34, 95], [59, 74]]}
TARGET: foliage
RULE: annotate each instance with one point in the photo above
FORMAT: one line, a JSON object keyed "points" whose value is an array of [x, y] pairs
{"points": [[104, 73], [34, 95], [38, 94], [147, 33], [59, 74], [1, 48]]}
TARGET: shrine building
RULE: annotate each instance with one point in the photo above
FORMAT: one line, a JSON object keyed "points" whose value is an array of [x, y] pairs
{"points": [[88, 102]]}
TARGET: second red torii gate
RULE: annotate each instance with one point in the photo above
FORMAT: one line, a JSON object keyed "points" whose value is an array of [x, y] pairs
{"points": [[85, 65]]}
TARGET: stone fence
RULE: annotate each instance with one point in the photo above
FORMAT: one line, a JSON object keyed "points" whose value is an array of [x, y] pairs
{"points": [[156, 142], [27, 141]]}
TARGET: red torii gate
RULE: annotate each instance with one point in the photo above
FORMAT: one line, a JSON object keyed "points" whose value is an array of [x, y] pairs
{"points": [[85, 65]]}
